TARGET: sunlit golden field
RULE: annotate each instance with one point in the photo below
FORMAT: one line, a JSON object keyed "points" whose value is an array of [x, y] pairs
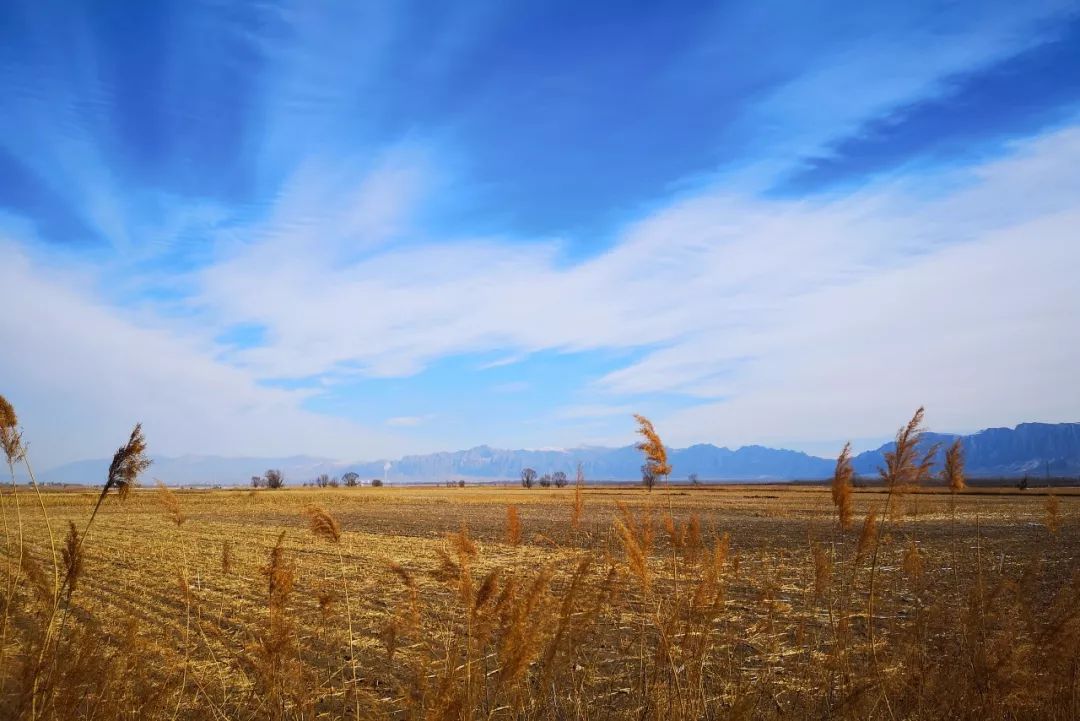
{"points": [[713, 602]]}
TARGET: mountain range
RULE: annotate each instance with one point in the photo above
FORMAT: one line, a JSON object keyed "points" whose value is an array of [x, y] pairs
{"points": [[1028, 449]]}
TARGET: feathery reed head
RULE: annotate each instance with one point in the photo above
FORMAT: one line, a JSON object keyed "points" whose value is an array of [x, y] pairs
{"points": [[73, 559], [656, 462], [904, 468], [8, 419], [10, 438], [486, 591], [128, 462], [953, 471], [323, 525], [462, 543], [279, 575], [842, 488], [636, 559], [868, 534], [913, 562]]}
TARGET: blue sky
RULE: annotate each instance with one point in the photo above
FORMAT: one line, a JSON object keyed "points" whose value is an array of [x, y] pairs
{"points": [[364, 229]]}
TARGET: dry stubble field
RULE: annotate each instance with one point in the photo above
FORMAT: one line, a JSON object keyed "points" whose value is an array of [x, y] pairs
{"points": [[714, 602]]}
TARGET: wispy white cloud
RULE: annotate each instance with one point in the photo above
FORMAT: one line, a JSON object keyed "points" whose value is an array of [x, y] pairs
{"points": [[735, 294], [85, 374], [790, 320]]}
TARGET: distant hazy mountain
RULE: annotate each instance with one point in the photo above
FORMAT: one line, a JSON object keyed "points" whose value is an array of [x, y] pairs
{"points": [[1030, 448]]}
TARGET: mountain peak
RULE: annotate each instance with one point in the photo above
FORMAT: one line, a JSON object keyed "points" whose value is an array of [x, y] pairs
{"points": [[1027, 448]]}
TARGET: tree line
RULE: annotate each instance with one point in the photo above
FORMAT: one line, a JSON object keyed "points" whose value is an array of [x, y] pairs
{"points": [[274, 478]]}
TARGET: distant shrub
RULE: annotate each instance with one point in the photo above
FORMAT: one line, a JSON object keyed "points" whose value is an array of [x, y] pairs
{"points": [[376, 482], [274, 478]]}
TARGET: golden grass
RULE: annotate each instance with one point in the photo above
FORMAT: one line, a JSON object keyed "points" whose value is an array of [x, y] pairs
{"points": [[422, 603]]}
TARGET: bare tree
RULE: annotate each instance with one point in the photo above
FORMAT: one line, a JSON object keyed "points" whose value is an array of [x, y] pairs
{"points": [[274, 478], [648, 477], [257, 482], [350, 479], [693, 478], [528, 478], [334, 482], [545, 480], [559, 479], [323, 480]]}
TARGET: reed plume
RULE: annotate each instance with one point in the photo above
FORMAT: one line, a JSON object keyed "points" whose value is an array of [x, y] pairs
{"points": [[73, 559], [325, 526], [842, 488], [867, 535], [953, 471], [913, 562], [635, 555], [128, 463], [904, 467], [279, 577], [275, 646], [10, 436], [322, 524], [407, 618], [656, 460]]}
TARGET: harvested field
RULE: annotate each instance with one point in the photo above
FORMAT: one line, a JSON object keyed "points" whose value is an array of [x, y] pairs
{"points": [[714, 602]]}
